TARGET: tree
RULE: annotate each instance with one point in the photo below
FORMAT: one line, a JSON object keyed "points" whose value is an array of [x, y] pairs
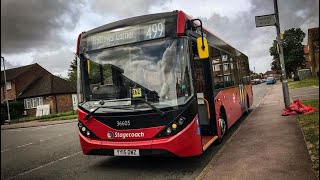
{"points": [[94, 72], [72, 74], [292, 50]]}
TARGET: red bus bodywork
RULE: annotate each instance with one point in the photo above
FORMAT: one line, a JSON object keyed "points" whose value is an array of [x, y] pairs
{"points": [[187, 142]]}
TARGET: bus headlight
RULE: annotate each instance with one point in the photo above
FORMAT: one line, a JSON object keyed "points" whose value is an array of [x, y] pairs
{"points": [[85, 131], [168, 130], [174, 126], [181, 120]]}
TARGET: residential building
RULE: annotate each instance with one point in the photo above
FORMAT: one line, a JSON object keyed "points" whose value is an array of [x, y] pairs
{"points": [[307, 58], [54, 91], [313, 46], [19, 78], [34, 86], [271, 74]]}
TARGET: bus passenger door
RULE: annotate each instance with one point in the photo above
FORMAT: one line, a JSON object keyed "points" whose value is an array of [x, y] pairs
{"points": [[203, 88]]}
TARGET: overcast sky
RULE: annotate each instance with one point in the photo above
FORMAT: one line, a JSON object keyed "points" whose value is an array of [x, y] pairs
{"points": [[45, 31]]}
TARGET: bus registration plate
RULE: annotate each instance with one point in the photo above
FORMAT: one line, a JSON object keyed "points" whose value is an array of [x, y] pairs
{"points": [[126, 152]]}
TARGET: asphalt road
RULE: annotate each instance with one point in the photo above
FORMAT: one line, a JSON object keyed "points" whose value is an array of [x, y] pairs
{"points": [[53, 152]]}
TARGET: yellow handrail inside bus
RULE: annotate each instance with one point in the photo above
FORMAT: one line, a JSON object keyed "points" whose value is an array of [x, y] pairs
{"points": [[207, 105]]}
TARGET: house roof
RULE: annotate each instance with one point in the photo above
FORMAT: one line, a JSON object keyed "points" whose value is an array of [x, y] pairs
{"points": [[269, 72], [15, 72], [48, 85]]}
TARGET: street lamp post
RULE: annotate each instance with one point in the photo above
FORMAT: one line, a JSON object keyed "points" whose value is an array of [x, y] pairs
{"points": [[273, 20], [5, 86], [285, 88]]}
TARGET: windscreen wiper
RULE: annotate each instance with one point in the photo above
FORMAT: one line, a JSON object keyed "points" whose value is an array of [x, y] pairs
{"points": [[161, 113], [91, 113], [152, 106]]}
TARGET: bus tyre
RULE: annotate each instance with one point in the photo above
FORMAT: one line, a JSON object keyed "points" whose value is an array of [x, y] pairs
{"points": [[223, 126], [246, 112]]}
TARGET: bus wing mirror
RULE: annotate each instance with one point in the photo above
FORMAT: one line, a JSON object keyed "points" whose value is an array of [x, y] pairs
{"points": [[202, 47]]}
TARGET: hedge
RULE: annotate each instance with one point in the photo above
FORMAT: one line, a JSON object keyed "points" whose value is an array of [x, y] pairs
{"points": [[16, 110]]}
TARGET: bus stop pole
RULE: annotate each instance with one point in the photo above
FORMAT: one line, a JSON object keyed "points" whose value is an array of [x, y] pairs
{"points": [[285, 88], [5, 86]]}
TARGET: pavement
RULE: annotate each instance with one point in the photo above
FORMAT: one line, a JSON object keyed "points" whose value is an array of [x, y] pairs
{"points": [[35, 124], [267, 146]]}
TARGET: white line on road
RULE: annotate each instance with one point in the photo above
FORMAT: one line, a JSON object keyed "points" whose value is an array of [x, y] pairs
{"points": [[36, 128], [24, 145], [45, 139], [15, 130], [4, 150], [46, 164]]}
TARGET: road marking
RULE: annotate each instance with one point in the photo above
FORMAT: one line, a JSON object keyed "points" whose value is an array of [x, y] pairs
{"points": [[34, 169], [219, 153], [4, 150], [24, 145], [36, 128], [44, 139], [15, 130]]}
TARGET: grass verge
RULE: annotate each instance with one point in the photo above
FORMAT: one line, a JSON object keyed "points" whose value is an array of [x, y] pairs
{"points": [[50, 117], [309, 124], [304, 83]]}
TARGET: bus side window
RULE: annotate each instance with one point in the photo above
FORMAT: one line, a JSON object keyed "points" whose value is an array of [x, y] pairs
{"points": [[235, 71], [217, 68], [228, 73]]}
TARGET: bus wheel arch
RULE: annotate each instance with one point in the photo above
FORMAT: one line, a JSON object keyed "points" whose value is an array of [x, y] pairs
{"points": [[247, 105], [223, 123], [248, 102]]}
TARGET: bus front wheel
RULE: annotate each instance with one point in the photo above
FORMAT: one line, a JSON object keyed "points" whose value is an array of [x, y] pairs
{"points": [[222, 125]]}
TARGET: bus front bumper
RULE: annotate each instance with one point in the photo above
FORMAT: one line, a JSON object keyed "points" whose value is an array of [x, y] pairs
{"points": [[185, 143]]}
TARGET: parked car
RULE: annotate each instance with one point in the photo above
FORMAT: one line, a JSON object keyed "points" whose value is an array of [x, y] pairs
{"points": [[259, 81], [263, 80], [271, 80]]}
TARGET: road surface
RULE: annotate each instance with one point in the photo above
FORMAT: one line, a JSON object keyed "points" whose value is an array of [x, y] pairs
{"points": [[53, 152]]}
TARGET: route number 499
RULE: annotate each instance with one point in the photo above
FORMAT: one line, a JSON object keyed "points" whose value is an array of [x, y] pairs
{"points": [[155, 30]]}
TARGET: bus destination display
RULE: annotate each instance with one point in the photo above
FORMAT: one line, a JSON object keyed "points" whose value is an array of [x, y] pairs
{"points": [[126, 35]]}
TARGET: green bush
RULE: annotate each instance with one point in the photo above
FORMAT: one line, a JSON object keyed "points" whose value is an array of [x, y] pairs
{"points": [[16, 110]]}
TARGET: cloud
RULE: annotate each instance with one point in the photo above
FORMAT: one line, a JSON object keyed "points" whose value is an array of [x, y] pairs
{"points": [[205, 8], [123, 9], [45, 31], [36, 24], [56, 62]]}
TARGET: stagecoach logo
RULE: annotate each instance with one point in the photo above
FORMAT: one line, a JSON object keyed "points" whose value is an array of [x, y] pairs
{"points": [[110, 135]]}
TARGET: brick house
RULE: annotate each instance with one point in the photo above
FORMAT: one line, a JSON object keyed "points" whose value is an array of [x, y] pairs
{"points": [[307, 58], [271, 74], [313, 47], [34, 86], [19, 78]]}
